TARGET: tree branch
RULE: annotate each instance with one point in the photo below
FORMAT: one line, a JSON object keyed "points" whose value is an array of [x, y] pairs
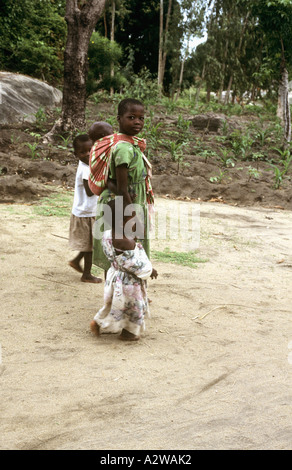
{"points": [[72, 11], [91, 10]]}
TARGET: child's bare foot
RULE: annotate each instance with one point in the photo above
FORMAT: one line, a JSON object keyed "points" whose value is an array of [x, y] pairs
{"points": [[95, 328], [127, 336], [90, 278], [75, 266]]}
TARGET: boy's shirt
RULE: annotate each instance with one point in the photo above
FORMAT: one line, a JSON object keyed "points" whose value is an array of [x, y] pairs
{"points": [[83, 205]]}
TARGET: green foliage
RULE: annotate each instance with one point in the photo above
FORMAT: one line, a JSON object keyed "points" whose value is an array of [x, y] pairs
{"points": [[169, 104], [142, 86], [281, 170], [246, 42], [66, 140], [241, 144], [278, 176], [183, 124], [219, 178], [253, 172], [32, 38], [57, 205], [102, 55], [226, 158], [206, 154], [40, 119], [188, 258], [176, 150], [152, 133], [275, 21], [39, 60], [33, 150], [137, 29]]}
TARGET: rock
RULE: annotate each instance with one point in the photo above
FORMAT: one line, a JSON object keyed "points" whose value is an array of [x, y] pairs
{"points": [[22, 96], [209, 121]]}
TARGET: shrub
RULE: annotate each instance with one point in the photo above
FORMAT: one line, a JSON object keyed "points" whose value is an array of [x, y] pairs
{"points": [[101, 54]]}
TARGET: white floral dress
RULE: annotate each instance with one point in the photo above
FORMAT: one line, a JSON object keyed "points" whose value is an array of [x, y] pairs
{"points": [[125, 296]]}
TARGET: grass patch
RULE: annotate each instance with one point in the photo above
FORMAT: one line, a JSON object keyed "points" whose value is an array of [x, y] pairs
{"points": [[97, 271], [55, 205], [188, 258]]}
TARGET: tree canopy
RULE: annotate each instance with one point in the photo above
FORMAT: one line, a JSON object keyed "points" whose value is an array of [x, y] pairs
{"points": [[246, 42], [33, 35]]}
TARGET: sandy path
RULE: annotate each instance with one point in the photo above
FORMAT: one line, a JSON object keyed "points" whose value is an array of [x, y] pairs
{"points": [[213, 370]]}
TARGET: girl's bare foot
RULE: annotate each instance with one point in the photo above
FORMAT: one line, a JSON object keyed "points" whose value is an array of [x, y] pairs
{"points": [[95, 328], [75, 266], [127, 336], [90, 278]]}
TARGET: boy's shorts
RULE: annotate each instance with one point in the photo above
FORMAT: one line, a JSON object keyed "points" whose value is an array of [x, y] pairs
{"points": [[80, 233]]}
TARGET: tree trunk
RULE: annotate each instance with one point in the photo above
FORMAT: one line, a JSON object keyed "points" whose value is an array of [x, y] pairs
{"points": [[200, 84], [223, 71], [181, 75], [180, 78], [160, 43], [208, 95], [227, 95], [81, 18], [238, 52], [112, 39], [283, 110], [105, 24], [163, 34], [164, 53]]}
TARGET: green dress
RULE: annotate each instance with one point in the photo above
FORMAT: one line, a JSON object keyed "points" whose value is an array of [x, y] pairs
{"points": [[131, 155]]}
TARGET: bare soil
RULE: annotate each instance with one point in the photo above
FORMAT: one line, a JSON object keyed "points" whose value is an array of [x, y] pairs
{"points": [[213, 368], [27, 174]]}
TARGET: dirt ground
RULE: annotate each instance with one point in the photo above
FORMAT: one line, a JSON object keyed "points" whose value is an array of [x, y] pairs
{"points": [[29, 168], [212, 370]]}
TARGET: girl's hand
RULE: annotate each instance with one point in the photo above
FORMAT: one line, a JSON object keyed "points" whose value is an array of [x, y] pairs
{"points": [[154, 274]]}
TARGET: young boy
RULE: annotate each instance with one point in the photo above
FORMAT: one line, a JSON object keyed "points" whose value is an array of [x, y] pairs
{"points": [[83, 212]]}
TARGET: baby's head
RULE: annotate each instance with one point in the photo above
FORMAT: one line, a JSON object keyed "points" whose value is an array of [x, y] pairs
{"points": [[82, 145], [130, 116], [99, 129]]}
